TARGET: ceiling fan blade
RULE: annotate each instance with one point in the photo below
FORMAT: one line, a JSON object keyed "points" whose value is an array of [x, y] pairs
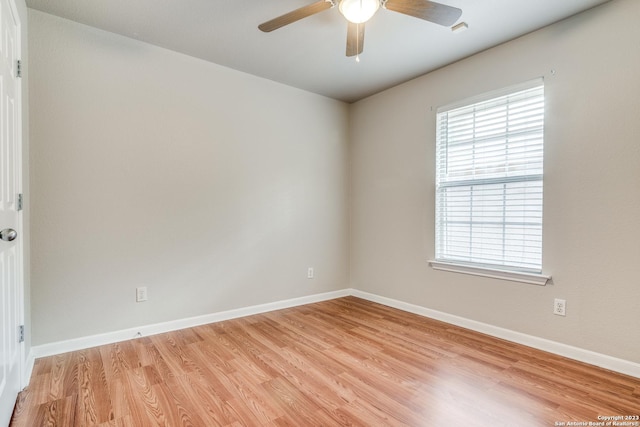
{"points": [[355, 39], [437, 13], [295, 15]]}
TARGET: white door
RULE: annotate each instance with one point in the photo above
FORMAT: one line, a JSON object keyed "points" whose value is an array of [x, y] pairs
{"points": [[11, 298]]}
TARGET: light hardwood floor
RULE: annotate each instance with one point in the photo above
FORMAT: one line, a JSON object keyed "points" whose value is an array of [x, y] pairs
{"points": [[340, 362]]}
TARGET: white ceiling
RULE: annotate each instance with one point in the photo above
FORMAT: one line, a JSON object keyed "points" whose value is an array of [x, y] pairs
{"points": [[310, 54]]}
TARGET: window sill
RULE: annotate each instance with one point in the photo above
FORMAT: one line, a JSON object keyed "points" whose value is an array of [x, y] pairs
{"points": [[514, 276]]}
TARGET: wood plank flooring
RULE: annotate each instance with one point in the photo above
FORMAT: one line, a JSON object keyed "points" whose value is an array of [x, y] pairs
{"points": [[340, 362]]}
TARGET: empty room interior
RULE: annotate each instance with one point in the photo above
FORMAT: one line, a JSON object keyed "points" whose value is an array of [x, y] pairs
{"points": [[224, 218]]}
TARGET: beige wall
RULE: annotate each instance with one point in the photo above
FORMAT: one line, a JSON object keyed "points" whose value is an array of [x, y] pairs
{"points": [[592, 185], [213, 188]]}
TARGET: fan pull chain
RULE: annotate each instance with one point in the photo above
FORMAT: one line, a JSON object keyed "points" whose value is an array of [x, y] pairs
{"points": [[358, 39]]}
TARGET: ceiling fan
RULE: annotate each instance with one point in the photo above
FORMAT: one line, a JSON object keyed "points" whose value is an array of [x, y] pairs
{"points": [[357, 12]]}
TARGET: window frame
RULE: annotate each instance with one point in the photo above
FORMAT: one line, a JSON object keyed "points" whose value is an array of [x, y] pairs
{"points": [[499, 271]]}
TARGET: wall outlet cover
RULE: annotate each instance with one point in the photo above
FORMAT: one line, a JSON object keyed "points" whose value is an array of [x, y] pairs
{"points": [[560, 307], [141, 294]]}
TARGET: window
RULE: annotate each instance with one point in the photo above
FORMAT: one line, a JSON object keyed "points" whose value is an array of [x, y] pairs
{"points": [[489, 181]]}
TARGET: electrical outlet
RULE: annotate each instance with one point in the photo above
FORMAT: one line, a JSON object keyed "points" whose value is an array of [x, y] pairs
{"points": [[141, 294], [560, 307], [310, 273]]}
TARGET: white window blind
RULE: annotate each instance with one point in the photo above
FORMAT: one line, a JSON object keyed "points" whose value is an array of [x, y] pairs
{"points": [[489, 180]]}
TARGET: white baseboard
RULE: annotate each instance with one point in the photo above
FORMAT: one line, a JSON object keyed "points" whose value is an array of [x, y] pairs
{"points": [[582, 355], [587, 356], [27, 369], [51, 349]]}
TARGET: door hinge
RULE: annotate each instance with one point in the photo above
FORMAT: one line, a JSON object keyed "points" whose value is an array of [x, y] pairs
{"points": [[19, 204], [21, 333], [18, 68]]}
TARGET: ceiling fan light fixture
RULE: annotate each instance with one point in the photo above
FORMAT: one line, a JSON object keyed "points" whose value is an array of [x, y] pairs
{"points": [[358, 11]]}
